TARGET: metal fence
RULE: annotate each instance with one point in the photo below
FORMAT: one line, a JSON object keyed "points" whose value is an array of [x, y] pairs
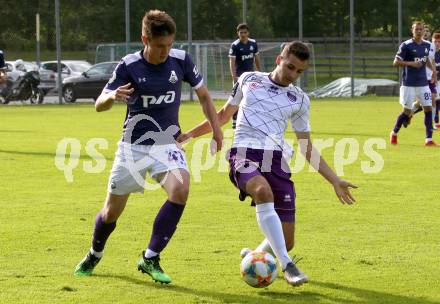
{"points": [[329, 59], [355, 51]]}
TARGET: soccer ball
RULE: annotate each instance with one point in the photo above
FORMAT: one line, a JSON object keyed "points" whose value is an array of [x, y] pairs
{"points": [[258, 269]]}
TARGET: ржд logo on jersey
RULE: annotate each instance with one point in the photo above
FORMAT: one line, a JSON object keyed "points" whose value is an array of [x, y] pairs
{"points": [[150, 100], [250, 56], [422, 59]]}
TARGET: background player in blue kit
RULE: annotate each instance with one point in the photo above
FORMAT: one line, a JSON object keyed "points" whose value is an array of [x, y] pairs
{"points": [[243, 54], [413, 56], [149, 81]]}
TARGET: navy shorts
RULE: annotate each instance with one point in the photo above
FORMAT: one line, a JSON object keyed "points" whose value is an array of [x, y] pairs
{"points": [[247, 163]]}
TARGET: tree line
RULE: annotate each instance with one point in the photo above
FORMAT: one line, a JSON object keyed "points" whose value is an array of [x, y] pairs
{"points": [[90, 22]]}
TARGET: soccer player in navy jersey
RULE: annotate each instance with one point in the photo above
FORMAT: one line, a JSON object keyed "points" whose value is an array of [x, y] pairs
{"points": [[243, 54], [258, 159], [149, 82], [432, 83], [413, 55]]}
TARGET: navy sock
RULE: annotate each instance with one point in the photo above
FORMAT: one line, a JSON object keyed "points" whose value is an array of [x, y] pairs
{"points": [[400, 120], [101, 233], [428, 124], [437, 106], [165, 225]]}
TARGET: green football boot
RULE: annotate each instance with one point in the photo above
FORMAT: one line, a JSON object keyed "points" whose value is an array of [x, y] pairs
{"points": [[86, 266], [152, 267]]}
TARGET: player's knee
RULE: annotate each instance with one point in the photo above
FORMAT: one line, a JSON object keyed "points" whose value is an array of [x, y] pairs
{"points": [[179, 194], [263, 193], [109, 215]]}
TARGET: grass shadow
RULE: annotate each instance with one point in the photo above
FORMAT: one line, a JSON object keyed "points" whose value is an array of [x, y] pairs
{"points": [[291, 295]]}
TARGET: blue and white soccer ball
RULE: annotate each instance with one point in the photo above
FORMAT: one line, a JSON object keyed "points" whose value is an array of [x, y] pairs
{"points": [[258, 269]]}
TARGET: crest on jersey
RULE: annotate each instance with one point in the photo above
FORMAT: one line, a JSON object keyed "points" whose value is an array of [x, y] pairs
{"points": [[291, 97], [426, 50], [254, 85], [173, 77], [251, 48]]}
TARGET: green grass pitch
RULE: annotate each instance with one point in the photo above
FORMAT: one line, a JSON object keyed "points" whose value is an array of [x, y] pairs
{"points": [[384, 249]]}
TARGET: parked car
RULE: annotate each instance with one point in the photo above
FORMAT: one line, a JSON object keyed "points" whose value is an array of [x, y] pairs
{"points": [[90, 83], [28, 66], [48, 72]]}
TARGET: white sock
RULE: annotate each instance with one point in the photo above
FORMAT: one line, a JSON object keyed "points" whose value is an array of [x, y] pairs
{"points": [[96, 254], [270, 225], [265, 246], [150, 253]]}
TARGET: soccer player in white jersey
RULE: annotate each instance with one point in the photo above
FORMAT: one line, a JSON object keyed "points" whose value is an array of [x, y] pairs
{"points": [[149, 82], [266, 102], [413, 56]]}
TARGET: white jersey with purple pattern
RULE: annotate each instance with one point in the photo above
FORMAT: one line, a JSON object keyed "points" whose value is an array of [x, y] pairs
{"points": [[432, 57], [265, 109]]}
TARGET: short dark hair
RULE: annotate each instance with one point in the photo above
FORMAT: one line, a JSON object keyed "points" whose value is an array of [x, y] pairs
{"points": [[242, 26], [297, 48], [436, 35], [417, 23], [157, 23]]}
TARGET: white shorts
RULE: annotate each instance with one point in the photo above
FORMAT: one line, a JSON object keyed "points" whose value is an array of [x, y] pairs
{"points": [[132, 162], [409, 94]]}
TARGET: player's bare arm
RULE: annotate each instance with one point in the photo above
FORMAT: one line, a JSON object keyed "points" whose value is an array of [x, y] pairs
{"points": [[258, 62], [211, 115], [223, 116], [400, 63], [431, 64], [105, 100], [341, 187], [232, 68]]}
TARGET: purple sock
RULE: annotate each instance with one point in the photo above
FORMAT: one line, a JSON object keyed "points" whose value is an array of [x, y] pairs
{"points": [[400, 120], [101, 233], [164, 225], [437, 106], [428, 124]]}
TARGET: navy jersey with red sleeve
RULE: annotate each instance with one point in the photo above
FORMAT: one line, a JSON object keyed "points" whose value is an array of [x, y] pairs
{"points": [[154, 104]]}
